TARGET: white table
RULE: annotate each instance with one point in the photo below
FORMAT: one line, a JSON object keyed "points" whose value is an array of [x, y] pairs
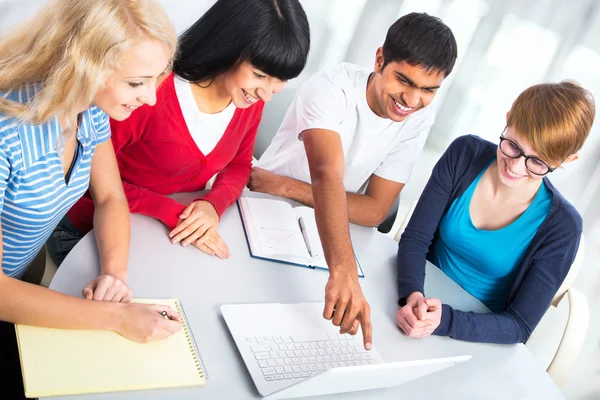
{"points": [[158, 269]]}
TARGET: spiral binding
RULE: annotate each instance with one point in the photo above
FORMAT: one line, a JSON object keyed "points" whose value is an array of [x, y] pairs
{"points": [[192, 342]]}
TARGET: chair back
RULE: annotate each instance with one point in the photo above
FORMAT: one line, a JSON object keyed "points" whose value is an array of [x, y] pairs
{"points": [[405, 221]]}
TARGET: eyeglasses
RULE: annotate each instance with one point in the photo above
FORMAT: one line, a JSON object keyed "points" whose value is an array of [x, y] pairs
{"points": [[533, 164]]}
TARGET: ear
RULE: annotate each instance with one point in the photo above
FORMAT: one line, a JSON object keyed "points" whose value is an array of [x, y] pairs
{"points": [[572, 157], [507, 114], [379, 60]]}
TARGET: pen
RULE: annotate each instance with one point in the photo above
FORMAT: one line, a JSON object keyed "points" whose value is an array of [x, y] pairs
{"points": [[304, 235], [166, 315]]}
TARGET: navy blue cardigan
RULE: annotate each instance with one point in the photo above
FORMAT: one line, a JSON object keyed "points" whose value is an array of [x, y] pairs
{"points": [[545, 264]]}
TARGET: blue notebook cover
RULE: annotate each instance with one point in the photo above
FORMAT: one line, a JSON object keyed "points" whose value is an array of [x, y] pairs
{"points": [[360, 274]]}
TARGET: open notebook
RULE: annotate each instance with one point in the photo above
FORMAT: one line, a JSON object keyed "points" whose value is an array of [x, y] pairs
{"points": [[64, 362], [279, 232]]}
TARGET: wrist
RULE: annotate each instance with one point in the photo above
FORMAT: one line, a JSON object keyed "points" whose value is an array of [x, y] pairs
{"points": [[115, 272], [343, 272], [114, 315], [414, 296]]}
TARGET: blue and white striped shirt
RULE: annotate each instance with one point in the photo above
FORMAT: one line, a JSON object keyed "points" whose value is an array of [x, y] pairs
{"points": [[34, 195]]}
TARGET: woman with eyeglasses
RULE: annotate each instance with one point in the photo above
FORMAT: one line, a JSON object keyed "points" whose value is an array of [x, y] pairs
{"points": [[491, 220]]}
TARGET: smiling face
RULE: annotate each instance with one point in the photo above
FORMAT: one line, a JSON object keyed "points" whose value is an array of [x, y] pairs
{"points": [[512, 172], [246, 84], [134, 83], [400, 89]]}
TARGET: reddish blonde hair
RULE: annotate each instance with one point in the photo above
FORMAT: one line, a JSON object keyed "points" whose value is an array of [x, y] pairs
{"points": [[556, 119]]}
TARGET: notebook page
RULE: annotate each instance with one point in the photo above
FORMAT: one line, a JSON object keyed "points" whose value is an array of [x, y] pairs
{"points": [[63, 362], [312, 232], [277, 228]]}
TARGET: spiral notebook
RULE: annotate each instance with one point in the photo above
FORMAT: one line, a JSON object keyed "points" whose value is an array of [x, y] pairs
{"points": [[65, 362]]}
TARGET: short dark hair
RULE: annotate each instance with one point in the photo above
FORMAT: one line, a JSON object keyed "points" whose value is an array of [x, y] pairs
{"points": [[423, 40], [273, 35]]}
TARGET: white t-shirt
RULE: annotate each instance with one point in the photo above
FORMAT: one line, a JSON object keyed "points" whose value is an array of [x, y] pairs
{"points": [[206, 129], [336, 100]]}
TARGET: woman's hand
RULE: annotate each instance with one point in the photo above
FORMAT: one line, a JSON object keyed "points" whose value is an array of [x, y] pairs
{"points": [[420, 316], [198, 226], [144, 323], [108, 287]]}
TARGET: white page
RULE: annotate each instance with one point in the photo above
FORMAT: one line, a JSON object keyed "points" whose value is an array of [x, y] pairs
{"points": [[276, 228], [312, 233]]}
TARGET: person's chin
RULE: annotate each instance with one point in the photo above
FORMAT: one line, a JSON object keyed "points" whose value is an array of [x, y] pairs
{"points": [[396, 115], [118, 114], [508, 180], [241, 104]]}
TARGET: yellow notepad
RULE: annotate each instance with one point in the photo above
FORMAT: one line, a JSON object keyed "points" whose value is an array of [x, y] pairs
{"points": [[63, 362]]}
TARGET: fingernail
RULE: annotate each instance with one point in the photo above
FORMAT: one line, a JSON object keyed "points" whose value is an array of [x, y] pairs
{"points": [[184, 244], [368, 346]]}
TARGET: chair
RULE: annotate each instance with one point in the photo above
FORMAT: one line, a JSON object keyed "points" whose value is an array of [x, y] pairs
{"points": [[405, 221], [35, 271], [556, 350]]}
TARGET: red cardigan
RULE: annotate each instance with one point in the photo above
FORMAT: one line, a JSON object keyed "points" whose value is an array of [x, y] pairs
{"points": [[157, 156]]}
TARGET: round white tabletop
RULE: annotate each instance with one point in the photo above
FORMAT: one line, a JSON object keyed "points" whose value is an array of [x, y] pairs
{"points": [[158, 269]]}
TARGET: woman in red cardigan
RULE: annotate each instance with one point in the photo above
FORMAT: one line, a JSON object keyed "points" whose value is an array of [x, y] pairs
{"points": [[230, 62]]}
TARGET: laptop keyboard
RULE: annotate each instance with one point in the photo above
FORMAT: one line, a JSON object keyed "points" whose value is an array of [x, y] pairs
{"points": [[301, 357]]}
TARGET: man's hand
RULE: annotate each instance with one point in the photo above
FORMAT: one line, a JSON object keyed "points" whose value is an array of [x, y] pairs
{"points": [[108, 287], [347, 306], [420, 316], [265, 181], [198, 226]]}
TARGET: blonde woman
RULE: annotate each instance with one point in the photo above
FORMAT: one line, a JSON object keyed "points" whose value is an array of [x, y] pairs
{"points": [[62, 75]]}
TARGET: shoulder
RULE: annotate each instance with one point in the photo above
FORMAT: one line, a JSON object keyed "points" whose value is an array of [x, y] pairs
{"points": [[339, 82], [563, 212], [469, 148], [166, 87], [464, 159], [24, 94], [101, 125]]}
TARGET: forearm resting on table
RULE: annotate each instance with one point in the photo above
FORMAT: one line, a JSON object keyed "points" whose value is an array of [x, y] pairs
{"points": [[362, 209], [111, 226], [28, 304]]}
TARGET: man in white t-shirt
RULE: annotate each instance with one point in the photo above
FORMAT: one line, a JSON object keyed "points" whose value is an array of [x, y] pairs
{"points": [[348, 143]]}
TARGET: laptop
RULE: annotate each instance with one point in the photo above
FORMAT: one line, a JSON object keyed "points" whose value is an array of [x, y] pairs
{"points": [[291, 351]]}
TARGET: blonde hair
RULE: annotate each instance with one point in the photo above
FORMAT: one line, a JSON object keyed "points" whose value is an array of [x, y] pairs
{"points": [[556, 118], [70, 48]]}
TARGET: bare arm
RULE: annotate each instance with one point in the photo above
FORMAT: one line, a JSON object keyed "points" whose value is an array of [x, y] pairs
{"points": [[369, 209], [111, 225], [28, 304], [111, 216], [344, 300]]}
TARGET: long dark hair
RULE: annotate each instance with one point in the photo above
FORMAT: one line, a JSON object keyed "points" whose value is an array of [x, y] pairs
{"points": [[273, 35]]}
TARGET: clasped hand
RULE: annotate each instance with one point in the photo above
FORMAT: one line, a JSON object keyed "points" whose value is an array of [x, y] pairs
{"points": [[420, 316]]}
